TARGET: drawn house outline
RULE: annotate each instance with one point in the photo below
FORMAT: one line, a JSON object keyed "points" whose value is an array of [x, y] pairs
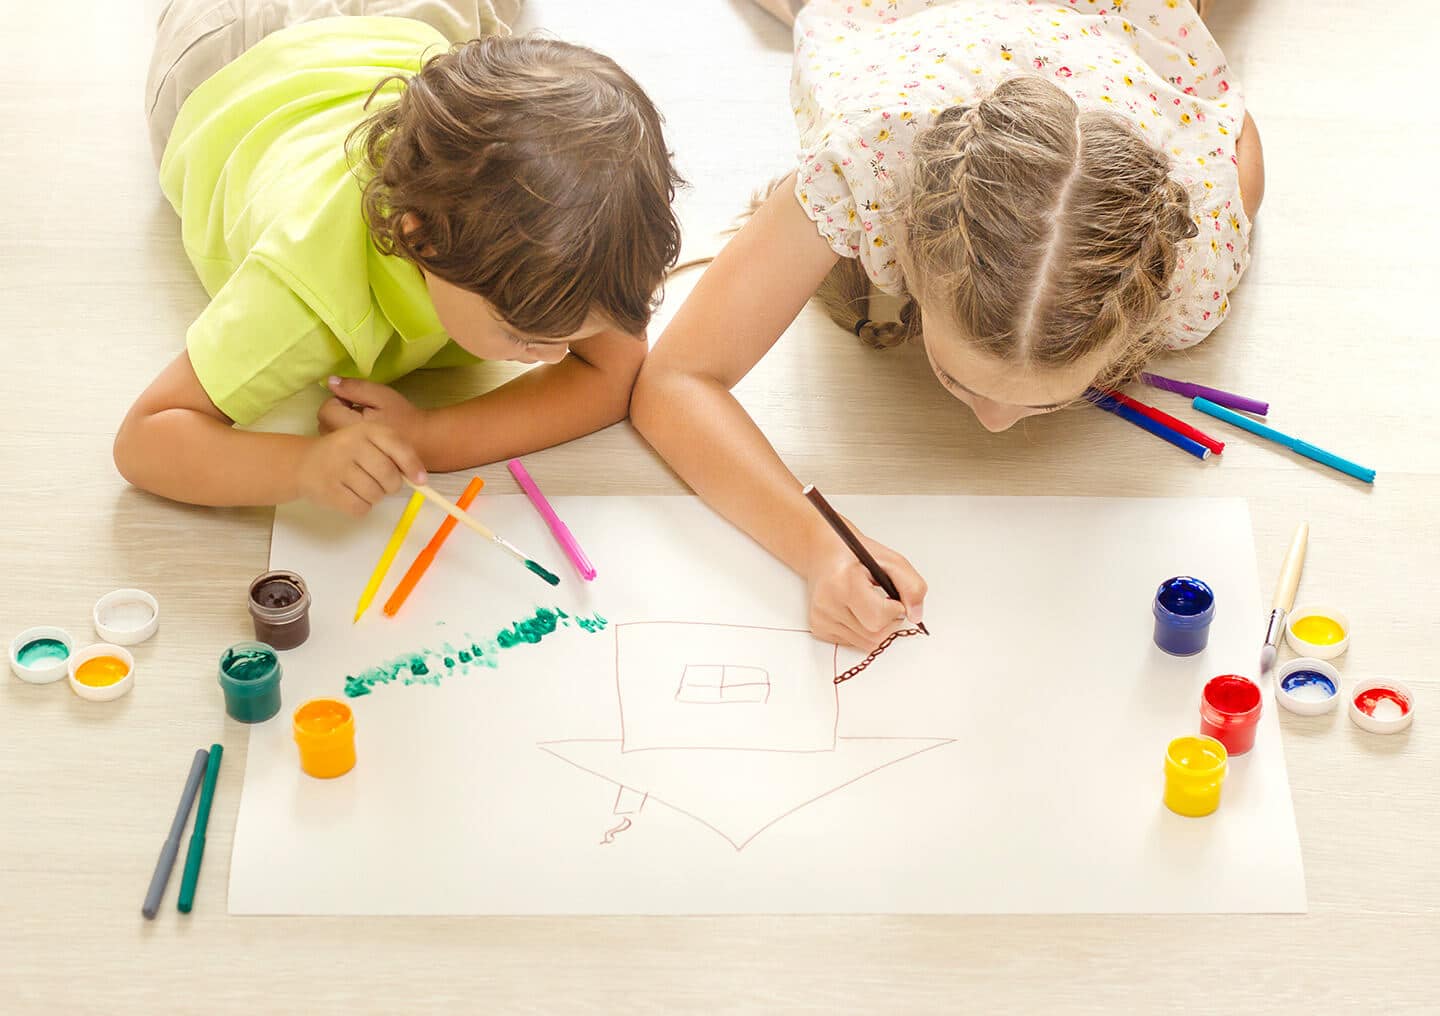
{"points": [[781, 752]]}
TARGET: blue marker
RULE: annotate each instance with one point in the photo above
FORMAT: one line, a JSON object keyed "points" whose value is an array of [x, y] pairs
{"points": [[1306, 449], [1155, 427]]}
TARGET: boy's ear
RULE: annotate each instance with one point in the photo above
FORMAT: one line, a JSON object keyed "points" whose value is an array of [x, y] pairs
{"points": [[409, 225]]}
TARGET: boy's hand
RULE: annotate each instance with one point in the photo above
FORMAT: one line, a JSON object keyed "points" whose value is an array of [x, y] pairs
{"points": [[358, 401], [351, 470], [848, 608]]}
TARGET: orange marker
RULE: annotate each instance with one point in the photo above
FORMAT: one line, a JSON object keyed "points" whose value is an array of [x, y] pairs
{"points": [[423, 559]]}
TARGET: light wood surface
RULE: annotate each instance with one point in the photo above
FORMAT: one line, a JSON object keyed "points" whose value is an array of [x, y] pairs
{"points": [[1335, 324]]}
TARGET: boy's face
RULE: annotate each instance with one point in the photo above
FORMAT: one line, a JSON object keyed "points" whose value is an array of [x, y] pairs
{"points": [[477, 328]]}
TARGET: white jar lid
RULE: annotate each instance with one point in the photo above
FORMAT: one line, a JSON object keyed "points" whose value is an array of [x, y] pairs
{"points": [[126, 617], [1308, 686], [101, 692], [39, 666]]}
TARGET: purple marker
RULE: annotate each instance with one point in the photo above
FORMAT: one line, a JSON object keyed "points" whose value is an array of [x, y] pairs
{"points": [[1215, 395]]}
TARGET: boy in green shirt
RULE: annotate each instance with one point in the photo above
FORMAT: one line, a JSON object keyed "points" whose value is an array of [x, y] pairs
{"points": [[362, 199]]}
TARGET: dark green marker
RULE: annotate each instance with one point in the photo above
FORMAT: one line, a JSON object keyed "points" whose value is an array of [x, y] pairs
{"points": [[197, 837]]}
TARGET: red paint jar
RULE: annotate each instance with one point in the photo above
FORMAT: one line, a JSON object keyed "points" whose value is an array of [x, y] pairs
{"points": [[1230, 712]]}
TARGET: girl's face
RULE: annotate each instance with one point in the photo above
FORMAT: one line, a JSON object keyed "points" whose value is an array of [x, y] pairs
{"points": [[999, 393], [477, 328]]}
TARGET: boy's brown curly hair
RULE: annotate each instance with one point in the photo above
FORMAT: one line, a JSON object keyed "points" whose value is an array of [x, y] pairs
{"points": [[538, 175]]}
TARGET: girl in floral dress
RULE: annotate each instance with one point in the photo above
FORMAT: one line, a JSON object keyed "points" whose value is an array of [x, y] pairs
{"points": [[1055, 190]]}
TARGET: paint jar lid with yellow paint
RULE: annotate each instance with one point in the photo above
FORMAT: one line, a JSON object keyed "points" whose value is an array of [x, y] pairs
{"points": [[126, 617], [1318, 632], [102, 672]]}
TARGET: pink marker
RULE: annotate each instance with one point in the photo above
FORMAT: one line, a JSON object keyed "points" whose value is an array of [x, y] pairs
{"points": [[562, 532]]}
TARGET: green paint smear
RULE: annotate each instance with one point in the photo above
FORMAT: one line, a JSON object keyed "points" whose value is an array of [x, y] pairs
{"points": [[42, 651], [249, 664], [540, 570], [431, 666]]}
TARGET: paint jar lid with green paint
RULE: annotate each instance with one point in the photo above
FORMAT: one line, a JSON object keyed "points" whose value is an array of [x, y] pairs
{"points": [[250, 678], [41, 655]]}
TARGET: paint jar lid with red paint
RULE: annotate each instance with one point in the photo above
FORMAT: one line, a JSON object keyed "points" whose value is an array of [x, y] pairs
{"points": [[1382, 706]]}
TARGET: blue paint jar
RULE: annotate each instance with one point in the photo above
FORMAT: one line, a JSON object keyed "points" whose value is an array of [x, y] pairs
{"points": [[1184, 608]]}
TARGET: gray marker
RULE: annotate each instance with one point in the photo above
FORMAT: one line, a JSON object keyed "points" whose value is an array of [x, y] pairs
{"points": [[168, 852]]}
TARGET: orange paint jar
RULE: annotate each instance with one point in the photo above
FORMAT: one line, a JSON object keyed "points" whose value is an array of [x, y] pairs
{"points": [[325, 735]]}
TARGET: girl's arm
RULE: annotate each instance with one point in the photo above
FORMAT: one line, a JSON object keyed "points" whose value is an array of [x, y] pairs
{"points": [[1251, 159], [683, 406], [174, 442]]}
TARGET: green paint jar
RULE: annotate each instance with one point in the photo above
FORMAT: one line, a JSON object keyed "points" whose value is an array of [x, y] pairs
{"points": [[250, 678]]}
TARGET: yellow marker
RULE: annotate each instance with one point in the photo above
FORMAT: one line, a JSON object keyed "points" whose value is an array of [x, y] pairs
{"points": [[407, 517]]}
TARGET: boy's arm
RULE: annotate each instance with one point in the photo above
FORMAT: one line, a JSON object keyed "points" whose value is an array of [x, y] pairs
{"points": [[586, 391], [174, 442]]}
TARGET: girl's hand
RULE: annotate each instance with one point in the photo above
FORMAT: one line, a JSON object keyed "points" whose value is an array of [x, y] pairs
{"points": [[359, 401], [353, 469], [848, 608]]}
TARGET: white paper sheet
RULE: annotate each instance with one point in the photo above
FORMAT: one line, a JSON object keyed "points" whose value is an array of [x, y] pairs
{"points": [[695, 756]]}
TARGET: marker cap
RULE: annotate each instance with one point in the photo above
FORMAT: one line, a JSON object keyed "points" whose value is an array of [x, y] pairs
{"points": [[1317, 650], [104, 692], [44, 671], [1306, 695], [1379, 717], [126, 617]]}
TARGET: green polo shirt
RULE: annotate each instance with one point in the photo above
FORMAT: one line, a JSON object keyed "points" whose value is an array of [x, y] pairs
{"points": [[270, 216]]}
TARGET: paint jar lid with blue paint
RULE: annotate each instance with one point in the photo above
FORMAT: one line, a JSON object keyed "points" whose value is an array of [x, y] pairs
{"points": [[1183, 609], [41, 655], [1308, 687]]}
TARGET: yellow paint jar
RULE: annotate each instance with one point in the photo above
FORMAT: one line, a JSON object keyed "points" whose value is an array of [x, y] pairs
{"points": [[1194, 770], [325, 735]]}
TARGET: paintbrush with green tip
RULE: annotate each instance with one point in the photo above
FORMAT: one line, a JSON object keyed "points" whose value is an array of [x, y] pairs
{"points": [[1284, 596], [440, 501]]}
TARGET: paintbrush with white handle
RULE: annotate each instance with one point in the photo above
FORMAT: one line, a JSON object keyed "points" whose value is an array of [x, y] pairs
{"points": [[1284, 596], [443, 503]]}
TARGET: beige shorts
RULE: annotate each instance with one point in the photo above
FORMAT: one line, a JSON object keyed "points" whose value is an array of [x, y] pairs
{"points": [[195, 38]]}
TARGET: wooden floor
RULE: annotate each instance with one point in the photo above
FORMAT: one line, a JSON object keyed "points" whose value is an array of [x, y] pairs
{"points": [[1335, 324]]}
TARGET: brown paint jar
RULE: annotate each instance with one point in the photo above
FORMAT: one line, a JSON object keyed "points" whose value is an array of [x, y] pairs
{"points": [[280, 607]]}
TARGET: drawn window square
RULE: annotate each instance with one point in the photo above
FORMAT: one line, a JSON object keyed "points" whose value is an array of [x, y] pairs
{"points": [[712, 684]]}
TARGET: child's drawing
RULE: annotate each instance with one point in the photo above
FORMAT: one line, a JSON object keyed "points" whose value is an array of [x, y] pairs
{"points": [[770, 751]]}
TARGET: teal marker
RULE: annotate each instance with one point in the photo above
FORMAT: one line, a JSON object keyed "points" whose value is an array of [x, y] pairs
{"points": [[197, 838], [1304, 448]]}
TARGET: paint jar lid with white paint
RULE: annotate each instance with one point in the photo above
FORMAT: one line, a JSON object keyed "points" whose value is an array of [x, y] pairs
{"points": [[1308, 687], [40, 655], [102, 672], [1382, 706], [126, 617], [1318, 632]]}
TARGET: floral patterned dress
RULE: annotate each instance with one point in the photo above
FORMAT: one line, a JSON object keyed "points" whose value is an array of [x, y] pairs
{"points": [[869, 74]]}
